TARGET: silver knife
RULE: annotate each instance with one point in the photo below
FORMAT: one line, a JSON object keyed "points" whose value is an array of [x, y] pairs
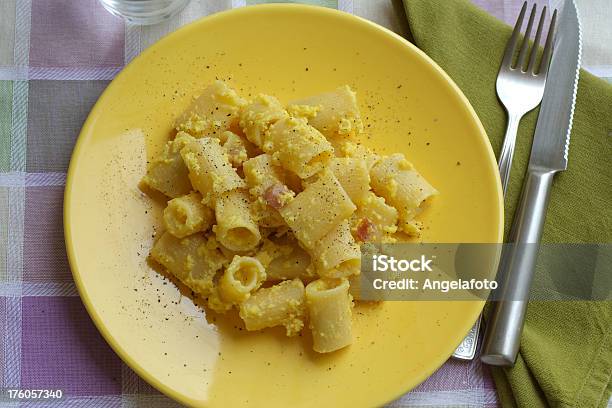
{"points": [[548, 156]]}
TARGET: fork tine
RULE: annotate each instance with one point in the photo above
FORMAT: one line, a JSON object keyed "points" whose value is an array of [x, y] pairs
{"points": [[510, 48], [536, 43], [548, 48], [525, 47]]}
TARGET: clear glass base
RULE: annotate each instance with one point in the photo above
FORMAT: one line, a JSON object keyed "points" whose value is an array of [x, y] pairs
{"points": [[144, 12]]}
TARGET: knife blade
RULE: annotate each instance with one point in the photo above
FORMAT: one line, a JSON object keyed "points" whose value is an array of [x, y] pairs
{"points": [[549, 155], [552, 135]]}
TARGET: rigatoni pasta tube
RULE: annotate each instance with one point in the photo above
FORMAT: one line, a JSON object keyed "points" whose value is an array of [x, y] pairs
{"points": [[257, 116], [374, 209], [194, 260], [337, 254], [213, 112], [357, 151], [298, 146], [329, 308], [378, 211], [261, 176], [292, 262], [216, 303], [317, 210], [354, 177], [270, 250], [236, 148], [266, 216], [210, 171], [187, 215], [168, 173], [355, 287], [242, 276], [395, 179], [236, 229], [337, 114], [278, 305]]}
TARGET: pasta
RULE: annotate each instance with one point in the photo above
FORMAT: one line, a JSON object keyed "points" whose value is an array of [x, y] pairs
{"points": [[329, 309], [268, 205], [236, 148], [337, 254], [243, 275], [278, 305], [354, 177], [194, 260], [213, 112], [337, 113], [358, 151], [187, 215], [261, 175], [210, 171], [298, 147], [290, 261], [318, 209], [257, 116], [373, 218], [396, 180], [269, 251], [236, 229], [168, 173]]}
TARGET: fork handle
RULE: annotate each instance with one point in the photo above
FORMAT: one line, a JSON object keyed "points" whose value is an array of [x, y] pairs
{"points": [[507, 152], [517, 266], [467, 348]]}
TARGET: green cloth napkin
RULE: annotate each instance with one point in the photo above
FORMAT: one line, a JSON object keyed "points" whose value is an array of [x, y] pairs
{"points": [[565, 358]]}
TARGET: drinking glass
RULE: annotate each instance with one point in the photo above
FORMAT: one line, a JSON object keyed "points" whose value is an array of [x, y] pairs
{"points": [[144, 12]]}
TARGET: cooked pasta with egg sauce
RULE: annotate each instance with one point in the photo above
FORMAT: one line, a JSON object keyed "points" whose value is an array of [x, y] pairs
{"points": [[269, 203]]}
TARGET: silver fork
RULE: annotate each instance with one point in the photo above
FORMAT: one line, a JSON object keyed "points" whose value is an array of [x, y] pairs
{"points": [[520, 88]]}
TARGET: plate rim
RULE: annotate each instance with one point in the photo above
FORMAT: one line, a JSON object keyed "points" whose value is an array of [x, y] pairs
{"points": [[193, 26]]}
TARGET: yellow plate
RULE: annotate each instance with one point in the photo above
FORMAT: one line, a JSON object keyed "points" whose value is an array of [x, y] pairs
{"points": [[410, 105]]}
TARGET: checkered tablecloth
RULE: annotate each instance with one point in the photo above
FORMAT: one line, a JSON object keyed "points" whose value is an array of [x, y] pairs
{"points": [[56, 57]]}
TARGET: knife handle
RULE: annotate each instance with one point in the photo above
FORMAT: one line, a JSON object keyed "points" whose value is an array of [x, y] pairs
{"points": [[517, 266]]}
